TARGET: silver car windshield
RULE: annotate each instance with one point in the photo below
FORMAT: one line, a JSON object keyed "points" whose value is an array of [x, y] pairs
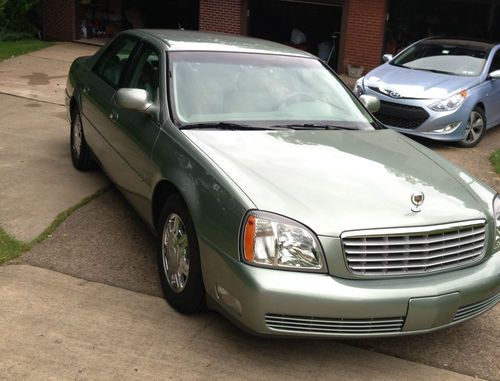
{"points": [[443, 58], [259, 89]]}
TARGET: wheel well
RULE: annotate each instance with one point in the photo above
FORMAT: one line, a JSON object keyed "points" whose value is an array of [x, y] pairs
{"points": [[163, 190], [481, 105]]}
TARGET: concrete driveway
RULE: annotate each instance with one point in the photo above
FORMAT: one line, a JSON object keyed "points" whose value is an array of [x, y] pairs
{"points": [[37, 179], [104, 319]]}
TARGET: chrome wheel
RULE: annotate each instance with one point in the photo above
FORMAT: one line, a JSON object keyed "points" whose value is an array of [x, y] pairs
{"points": [[77, 137], [175, 253], [474, 129]]}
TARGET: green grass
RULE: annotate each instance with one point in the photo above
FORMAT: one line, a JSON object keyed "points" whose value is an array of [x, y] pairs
{"points": [[495, 160], [10, 49], [11, 248]]}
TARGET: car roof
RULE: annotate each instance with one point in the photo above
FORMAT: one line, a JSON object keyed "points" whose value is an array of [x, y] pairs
{"points": [[465, 42], [183, 40]]}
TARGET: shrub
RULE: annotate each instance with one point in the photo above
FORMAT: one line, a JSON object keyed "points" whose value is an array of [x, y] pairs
{"points": [[20, 17]]}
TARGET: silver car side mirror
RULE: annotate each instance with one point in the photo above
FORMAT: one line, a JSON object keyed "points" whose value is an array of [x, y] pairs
{"points": [[371, 103], [133, 99], [387, 57], [495, 74]]}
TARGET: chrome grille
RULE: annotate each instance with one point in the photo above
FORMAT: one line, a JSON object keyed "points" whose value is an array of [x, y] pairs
{"points": [[333, 326], [409, 251], [475, 309]]}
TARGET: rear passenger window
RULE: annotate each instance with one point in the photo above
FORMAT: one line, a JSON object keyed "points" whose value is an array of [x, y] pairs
{"points": [[111, 66]]}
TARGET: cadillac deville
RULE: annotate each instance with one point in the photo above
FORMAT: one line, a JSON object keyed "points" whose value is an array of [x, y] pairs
{"points": [[276, 198]]}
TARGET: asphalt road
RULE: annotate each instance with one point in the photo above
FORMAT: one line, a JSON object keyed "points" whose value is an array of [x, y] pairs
{"points": [[106, 242]]}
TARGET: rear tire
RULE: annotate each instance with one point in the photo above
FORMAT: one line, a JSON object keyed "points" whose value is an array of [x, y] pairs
{"points": [[475, 129], [179, 258], [80, 151]]}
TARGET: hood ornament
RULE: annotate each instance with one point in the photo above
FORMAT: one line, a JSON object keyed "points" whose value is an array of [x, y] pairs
{"points": [[417, 199], [394, 94]]}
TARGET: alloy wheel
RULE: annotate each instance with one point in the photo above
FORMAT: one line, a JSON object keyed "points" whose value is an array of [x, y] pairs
{"points": [[175, 253], [77, 137], [474, 129]]}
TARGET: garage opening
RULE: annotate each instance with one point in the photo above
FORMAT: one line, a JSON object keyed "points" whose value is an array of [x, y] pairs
{"points": [[410, 21], [311, 26], [99, 20]]}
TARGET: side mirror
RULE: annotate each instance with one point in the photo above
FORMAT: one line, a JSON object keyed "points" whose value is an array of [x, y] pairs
{"points": [[371, 103], [494, 74], [133, 99], [387, 57]]}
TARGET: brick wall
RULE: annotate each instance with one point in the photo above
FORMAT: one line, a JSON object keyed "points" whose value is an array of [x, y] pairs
{"points": [[59, 19], [221, 16], [364, 33]]}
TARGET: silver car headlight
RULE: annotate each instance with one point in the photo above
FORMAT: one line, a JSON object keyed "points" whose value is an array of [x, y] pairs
{"points": [[496, 214], [450, 104], [359, 88], [274, 241]]}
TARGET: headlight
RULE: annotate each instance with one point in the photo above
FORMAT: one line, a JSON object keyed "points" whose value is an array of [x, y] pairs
{"points": [[496, 213], [277, 242], [359, 88], [450, 104]]}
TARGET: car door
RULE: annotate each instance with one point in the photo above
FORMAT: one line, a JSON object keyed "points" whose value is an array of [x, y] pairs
{"points": [[134, 133], [493, 91], [97, 105]]}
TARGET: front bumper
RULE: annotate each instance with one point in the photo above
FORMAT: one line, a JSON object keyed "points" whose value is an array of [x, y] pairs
{"points": [[437, 120], [319, 305]]}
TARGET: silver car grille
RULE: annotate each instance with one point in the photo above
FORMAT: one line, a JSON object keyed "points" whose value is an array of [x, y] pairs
{"points": [[475, 309], [410, 251], [304, 324]]}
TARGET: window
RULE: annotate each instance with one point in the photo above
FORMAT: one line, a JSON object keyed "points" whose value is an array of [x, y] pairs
{"points": [[444, 58], [495, 64], [111, 66], [263, 88], [146, 73]]}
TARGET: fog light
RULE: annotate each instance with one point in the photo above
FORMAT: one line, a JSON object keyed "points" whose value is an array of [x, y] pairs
{"points": [[449, 128], [229, 300]]}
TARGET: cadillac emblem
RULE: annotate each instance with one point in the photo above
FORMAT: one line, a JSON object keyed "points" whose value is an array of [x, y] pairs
{"points": [[417, 199]]}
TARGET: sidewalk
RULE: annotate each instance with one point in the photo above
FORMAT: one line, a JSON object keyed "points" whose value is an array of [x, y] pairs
{"points": [[54, 326]]}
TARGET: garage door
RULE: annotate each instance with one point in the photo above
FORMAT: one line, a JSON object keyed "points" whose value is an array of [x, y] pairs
{"points": [[314, 26], [410, 21]]}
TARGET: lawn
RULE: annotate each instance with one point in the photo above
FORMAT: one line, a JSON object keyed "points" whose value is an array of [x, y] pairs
{"points": [[10, 49], [495, 160]]}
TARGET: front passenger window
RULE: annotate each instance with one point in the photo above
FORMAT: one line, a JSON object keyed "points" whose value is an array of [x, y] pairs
{"points": [[111, 66]]}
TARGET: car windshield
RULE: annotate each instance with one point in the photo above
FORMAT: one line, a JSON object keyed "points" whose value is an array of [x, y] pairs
{"points": [[444, 58], [260, 90]]}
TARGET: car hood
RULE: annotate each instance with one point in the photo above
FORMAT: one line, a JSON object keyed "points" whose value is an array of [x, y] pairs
{"points": [[334, 181], [417, 84]]}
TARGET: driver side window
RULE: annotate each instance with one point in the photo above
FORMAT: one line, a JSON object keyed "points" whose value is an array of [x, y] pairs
{"points": [[495, 64], [112, 65], [146, 73]]}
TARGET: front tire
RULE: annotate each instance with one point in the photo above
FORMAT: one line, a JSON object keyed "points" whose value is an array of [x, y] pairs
{"points": [[80, 151], [179, 258], [475, 129]]}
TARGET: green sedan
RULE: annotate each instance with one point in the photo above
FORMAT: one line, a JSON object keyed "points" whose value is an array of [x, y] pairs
{"points": [[276, 198]]}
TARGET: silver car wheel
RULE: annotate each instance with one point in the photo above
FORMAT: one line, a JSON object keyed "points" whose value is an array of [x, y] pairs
{"points": [[474, 128], [77, 137], [175, 253]]}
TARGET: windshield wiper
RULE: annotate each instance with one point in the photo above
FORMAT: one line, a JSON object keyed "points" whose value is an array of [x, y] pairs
{"points": [[431, 70], [222, 126], [313, 126]]}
